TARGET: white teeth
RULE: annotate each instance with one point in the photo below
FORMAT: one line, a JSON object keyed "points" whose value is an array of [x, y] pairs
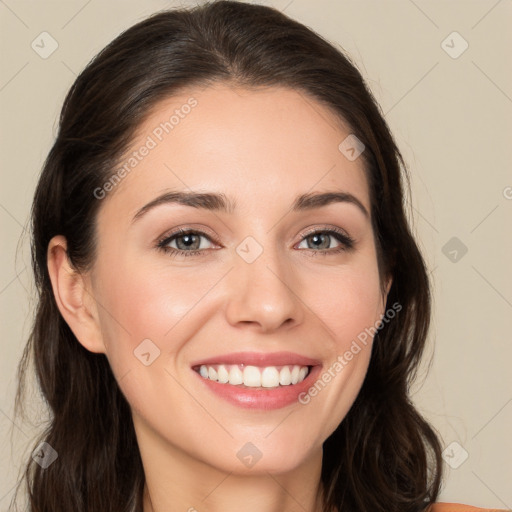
{"points": [[222, 374], [236, 376], [285, 376], [253, 376], [212, 373], [270, 377], [295, 374]]}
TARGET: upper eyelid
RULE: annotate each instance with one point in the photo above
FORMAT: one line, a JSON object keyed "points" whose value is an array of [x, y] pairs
{"points": [[184, 231], [326, 228]]}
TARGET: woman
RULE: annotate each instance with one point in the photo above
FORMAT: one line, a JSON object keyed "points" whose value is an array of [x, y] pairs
{"points": [[200, 346]]}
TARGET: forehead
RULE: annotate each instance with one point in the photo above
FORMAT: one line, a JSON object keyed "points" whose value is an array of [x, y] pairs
{"points": [[253, 144]]}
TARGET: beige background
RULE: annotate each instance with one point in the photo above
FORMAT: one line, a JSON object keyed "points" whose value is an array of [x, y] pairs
{"points": [[452, 120]]}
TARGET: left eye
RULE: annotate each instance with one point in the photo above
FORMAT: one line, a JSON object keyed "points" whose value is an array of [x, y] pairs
{"points": [[320, 240]]}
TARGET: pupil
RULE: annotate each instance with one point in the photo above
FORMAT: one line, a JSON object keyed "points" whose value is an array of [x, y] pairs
{"points": [[187, 240], [317, 241]]}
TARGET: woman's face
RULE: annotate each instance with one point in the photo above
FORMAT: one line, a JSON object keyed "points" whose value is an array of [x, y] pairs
{"points": [[272, 281]]}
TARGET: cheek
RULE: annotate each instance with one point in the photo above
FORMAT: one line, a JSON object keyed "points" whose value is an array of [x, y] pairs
{"points": [[140, 303], [152, 308], [348, 302]]}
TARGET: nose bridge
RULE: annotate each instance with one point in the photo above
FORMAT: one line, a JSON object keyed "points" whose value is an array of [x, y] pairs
{"points": [[261, 287]]}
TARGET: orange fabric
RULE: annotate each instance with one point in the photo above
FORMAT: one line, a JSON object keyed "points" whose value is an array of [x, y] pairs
{"points": [[458, 507]]}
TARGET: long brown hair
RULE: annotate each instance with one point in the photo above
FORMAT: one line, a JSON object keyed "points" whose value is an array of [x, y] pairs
{"points": [[383, 456]]}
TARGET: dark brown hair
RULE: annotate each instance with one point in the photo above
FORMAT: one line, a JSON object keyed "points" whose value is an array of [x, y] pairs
{"points": [[383, 456]]}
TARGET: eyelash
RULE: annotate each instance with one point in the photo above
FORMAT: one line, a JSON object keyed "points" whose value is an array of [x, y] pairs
{"points": [[347, 243]]}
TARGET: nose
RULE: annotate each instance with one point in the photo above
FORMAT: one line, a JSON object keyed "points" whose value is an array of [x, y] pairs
{"points": [[264, 294]]}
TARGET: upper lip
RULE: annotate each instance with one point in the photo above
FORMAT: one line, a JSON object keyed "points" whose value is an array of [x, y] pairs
{"points": [[260, 359]]}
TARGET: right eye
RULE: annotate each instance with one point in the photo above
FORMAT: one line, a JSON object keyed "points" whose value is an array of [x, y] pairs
{"points": [[187, 242]]}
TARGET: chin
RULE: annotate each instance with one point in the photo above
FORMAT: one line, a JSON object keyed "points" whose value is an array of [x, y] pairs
{"points": [[259, 455]]}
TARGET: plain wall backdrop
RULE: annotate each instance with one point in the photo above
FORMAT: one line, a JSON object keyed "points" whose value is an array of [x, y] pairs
{"points": [[441, 72]]}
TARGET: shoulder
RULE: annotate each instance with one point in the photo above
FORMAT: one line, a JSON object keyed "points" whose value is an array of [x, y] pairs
{"points": [[458, 507]]}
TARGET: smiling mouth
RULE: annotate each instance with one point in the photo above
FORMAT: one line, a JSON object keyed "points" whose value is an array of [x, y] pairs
{"points": [[247, 376]]}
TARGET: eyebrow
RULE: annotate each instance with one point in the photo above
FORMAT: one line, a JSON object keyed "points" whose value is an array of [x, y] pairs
{"points": [[220, 202]]}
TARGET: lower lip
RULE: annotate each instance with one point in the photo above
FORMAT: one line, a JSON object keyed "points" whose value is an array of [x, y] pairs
{"points": [[262, 398]]}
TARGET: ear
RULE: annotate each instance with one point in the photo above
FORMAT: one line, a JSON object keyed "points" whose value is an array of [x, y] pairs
{"points": [[385, 292], [389, 282], [73, 295]]}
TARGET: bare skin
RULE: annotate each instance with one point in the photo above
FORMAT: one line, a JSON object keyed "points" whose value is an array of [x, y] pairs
{"points": [[261, 148]]}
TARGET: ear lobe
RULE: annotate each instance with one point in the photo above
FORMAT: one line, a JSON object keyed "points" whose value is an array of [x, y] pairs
{"points": [[385, 293], [389, 282], [387, 286], [74, 300]]}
